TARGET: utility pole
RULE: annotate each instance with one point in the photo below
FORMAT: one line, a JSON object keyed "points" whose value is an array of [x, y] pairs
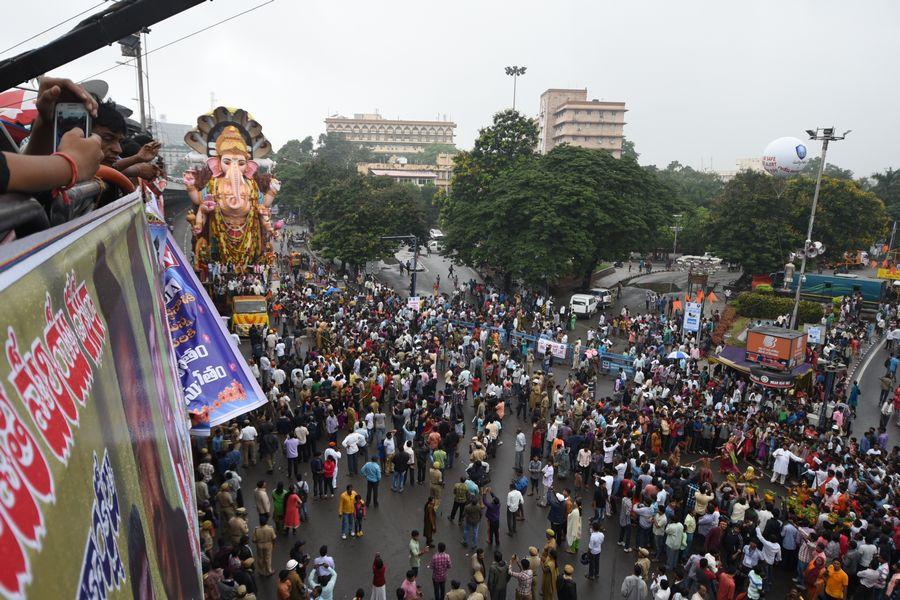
{"points": [[140, 74], [131, 47], [825, 135]]}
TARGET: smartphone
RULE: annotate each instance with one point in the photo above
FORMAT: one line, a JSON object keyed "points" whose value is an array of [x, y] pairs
{"points": [[69, 115]]}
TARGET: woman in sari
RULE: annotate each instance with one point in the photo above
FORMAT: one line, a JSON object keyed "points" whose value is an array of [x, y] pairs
{"points": [[813, 578]]}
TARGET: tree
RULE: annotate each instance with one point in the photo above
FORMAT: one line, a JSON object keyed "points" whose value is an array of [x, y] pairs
{"points": [[536, 219], [693, 188], [354, 213], [468, 211], [847, 217], [296, 151], [429, 155], [887, 187], [628, 150], [811, 169], [339, 152], [752, 225]]}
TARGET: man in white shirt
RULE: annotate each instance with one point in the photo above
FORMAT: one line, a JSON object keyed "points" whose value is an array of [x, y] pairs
{"points": [[351, 444], [595, 545], [520, 450], [514, 500], [248, 444], [546, 483]]}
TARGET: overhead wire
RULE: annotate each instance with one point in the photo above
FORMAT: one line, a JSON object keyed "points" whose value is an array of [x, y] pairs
{"points": [[182, 38], [40, 33], [166, 45]]}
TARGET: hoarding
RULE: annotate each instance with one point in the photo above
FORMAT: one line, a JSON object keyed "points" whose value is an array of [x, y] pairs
{"points": [[93, 436]]}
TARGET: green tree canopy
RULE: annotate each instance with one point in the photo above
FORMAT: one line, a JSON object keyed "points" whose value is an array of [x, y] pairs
{"points": [[354, 213], [751, 225], [847, 217], [811, 169], [887, 187], [693, 188]]}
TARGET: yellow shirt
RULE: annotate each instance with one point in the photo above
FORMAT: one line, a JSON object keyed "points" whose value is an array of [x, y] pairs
{"points": [[836, 582], [345, 503]]}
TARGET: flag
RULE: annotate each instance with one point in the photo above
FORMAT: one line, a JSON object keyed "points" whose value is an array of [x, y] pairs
{"points": [[712, 297], [17, 113], [699, 297]]}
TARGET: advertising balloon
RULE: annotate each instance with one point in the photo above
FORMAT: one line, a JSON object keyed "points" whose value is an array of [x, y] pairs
{"points": [[785, 156]]}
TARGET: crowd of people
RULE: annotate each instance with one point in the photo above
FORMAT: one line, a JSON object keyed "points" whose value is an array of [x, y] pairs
{"points": [[673, 462]]}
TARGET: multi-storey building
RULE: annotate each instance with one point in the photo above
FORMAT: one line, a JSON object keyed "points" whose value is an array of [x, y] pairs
{"points": [[567, 116], [390, 136]]}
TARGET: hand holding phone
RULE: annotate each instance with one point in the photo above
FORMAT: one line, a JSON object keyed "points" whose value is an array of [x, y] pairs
{"points": [[84, 152], [68, 116]]}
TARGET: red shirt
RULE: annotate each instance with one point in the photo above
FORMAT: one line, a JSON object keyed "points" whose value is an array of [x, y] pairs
{"points": [[378, 575]]}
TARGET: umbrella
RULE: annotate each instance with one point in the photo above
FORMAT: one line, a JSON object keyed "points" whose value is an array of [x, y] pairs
{"points": [[676, 355]]}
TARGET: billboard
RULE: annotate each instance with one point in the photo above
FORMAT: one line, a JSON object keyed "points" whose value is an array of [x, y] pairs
{"points": [[692, 316], [94, 441], [775, 347]]}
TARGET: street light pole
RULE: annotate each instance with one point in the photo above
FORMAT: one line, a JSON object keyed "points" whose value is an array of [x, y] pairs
{"points": [[826, 135], [514, 72]]}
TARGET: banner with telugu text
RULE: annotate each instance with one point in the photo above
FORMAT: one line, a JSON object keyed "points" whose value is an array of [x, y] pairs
{"points": [[94, 446], [215, 379]]}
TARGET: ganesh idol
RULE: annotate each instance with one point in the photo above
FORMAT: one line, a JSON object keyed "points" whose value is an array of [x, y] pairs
{"points": [[232, 198]]}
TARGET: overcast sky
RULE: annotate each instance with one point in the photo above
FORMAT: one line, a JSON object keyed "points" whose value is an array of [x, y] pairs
{"points": [[703, 81]]}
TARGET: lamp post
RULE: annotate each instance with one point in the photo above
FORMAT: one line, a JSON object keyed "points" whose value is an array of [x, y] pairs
{"points": [[825, 135], [514, 72]]}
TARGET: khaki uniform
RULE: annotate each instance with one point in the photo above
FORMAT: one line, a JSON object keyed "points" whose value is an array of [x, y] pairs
{"points": [[237, 527], [437, 485], [264, 538], [225, 505]]}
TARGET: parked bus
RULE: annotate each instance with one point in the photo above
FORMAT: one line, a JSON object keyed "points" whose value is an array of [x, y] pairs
{"points": [[832, 286]]}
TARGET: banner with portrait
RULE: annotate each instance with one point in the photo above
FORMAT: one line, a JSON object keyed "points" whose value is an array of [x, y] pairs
{"points": [[93, 436]]}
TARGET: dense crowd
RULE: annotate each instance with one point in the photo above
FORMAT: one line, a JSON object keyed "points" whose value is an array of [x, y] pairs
{"points": [[672, 463]]}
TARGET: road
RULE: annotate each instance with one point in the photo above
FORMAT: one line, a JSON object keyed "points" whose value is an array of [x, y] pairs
{"points": [[430, 267]]}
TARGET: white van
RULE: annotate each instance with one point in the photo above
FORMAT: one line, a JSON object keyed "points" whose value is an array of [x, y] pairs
{"points": [[584, 305], [603, 295]]}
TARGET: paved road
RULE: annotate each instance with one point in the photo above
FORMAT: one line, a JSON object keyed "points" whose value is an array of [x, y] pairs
{"points": [[431, 266], [868, 411]]}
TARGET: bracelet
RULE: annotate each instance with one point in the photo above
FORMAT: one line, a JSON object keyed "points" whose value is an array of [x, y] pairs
{"points": [[73, 167]]}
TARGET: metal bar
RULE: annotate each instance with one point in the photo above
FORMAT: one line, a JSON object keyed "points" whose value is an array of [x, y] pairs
{"points": [[99, 30]]}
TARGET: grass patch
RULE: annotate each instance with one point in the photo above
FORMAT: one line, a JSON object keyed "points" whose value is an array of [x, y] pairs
{"points": [[737, 327]]}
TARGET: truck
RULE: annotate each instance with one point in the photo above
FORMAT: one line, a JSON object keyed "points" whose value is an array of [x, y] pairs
{"points": [[247, 311]]}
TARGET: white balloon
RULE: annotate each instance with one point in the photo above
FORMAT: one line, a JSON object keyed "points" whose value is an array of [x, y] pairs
{"points": [[785, 156]]}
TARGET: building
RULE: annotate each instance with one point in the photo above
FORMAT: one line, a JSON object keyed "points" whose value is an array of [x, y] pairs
{"points": [[403, 172], [390, 136], [742, 164], [171, 137], [567, 116]]}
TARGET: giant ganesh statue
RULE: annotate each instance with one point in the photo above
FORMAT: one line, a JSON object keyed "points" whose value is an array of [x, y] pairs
{"points": [[232, 198]]}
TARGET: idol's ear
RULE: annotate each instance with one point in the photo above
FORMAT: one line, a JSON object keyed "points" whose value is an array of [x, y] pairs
{"points": [[250, 169], [214, 165]]}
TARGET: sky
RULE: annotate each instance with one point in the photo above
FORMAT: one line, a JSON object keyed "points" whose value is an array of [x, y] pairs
{"points": [[705, 83]]}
